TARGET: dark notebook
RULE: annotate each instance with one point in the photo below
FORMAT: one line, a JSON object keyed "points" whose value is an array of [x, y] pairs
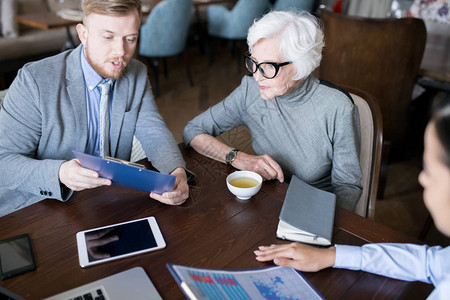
{"points": [[307, 214]]}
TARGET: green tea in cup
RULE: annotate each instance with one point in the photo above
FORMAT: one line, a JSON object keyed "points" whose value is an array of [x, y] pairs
{"points": [[244, 182]]}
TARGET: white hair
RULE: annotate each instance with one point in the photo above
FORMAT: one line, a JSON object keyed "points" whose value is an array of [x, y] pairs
{"points": [[301, 38]]}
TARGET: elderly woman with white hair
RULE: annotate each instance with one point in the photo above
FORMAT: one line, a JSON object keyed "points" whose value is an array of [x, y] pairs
{"points": [[298, 124]]}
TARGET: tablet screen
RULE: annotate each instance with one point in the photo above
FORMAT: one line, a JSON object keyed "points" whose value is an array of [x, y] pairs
{"points": [[16, 256], [119, 240]]}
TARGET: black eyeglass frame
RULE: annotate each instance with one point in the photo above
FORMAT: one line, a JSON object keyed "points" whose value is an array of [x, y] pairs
{"points": [[276, 65]]}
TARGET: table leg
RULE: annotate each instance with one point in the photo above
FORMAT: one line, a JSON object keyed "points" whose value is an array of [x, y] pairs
{"points": [[201, 34]]}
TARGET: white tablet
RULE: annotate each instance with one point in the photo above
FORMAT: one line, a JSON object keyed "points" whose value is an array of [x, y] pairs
{"points": [[116, 241]]}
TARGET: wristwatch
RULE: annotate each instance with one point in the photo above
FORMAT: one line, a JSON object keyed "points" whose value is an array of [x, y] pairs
{"points": [[231, 156]]}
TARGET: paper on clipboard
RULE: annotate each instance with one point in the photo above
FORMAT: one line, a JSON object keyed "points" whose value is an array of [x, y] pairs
{"points": [[127, 174]]}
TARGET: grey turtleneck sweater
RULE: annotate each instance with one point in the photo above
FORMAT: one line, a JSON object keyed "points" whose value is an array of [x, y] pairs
{"points": [[312, 132]]}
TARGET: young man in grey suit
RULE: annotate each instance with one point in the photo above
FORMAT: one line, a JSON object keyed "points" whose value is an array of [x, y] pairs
{"points": [[53, 105]]}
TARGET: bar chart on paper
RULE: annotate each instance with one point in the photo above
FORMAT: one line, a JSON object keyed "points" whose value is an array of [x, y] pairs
{"points": [[266, 283]]}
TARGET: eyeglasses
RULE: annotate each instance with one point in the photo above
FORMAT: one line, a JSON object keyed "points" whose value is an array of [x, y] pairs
{"points": [[267, 69]]}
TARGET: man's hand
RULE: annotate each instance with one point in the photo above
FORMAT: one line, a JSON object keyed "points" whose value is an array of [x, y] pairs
{"points": [[77, 178], [298, 256], [180, 192], [264, 165]]}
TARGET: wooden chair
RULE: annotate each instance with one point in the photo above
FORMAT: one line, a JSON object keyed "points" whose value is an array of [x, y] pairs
{"points": [[371, 123], [380, 57]]}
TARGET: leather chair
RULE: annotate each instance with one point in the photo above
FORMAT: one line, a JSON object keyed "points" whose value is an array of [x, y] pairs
{"points": [[164, 34], [380, 57], [371, 123], [294, 5]]}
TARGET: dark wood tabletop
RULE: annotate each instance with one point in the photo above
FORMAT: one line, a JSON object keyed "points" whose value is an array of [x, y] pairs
{"points": [[212, 229]]}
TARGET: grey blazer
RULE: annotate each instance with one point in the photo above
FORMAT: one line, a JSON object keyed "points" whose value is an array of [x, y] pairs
{"points": [[44, 117]]}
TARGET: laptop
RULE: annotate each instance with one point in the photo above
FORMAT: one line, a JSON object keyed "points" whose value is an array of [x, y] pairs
{"points": [[131, 284], [8, 295]]}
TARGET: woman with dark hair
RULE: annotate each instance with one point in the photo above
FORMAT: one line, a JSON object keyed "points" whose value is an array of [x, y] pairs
{"points": [[401, 261]]}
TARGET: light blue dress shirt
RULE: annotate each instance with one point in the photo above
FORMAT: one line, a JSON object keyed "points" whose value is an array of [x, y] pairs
{"points": [[93, 93], [408, 262]]}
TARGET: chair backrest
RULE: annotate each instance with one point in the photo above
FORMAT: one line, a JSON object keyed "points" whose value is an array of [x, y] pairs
{"points": [[294, 5], [371, 122], [378, 56], [165, 31], [234, 24]]}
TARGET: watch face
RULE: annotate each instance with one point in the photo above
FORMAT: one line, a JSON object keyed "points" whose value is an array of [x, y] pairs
{"points": [[230, 157]]}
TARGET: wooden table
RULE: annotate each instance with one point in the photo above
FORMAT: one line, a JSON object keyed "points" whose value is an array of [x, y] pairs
{"points": [[49, 20], [211, 230]]}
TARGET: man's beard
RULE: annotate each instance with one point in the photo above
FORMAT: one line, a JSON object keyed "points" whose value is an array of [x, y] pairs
{"points": [[101, 70]]}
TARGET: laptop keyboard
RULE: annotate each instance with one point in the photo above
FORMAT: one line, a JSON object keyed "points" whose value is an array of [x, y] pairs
{"points": [[94, 294]]}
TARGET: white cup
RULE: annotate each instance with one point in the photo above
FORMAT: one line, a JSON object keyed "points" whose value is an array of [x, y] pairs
{"points": [[248, 184]]}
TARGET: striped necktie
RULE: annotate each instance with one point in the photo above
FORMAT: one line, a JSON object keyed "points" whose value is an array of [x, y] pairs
{"points": [[104, 120]]}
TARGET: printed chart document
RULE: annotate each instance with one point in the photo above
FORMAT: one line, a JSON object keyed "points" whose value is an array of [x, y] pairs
{"points": [[128, 174], [307, 214], [266, 283]]}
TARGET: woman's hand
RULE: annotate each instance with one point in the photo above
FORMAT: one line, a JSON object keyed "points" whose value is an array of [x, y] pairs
{"points": [[298, 256]]}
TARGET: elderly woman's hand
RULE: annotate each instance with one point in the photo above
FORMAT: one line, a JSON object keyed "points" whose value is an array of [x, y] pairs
{"points": [[264, 165]]}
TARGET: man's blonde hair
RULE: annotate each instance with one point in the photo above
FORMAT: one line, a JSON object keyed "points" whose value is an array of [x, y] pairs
{"points": [[111, 7]]}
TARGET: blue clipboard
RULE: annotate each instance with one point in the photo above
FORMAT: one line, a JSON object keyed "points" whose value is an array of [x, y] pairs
{"points": [[127, 174]]}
